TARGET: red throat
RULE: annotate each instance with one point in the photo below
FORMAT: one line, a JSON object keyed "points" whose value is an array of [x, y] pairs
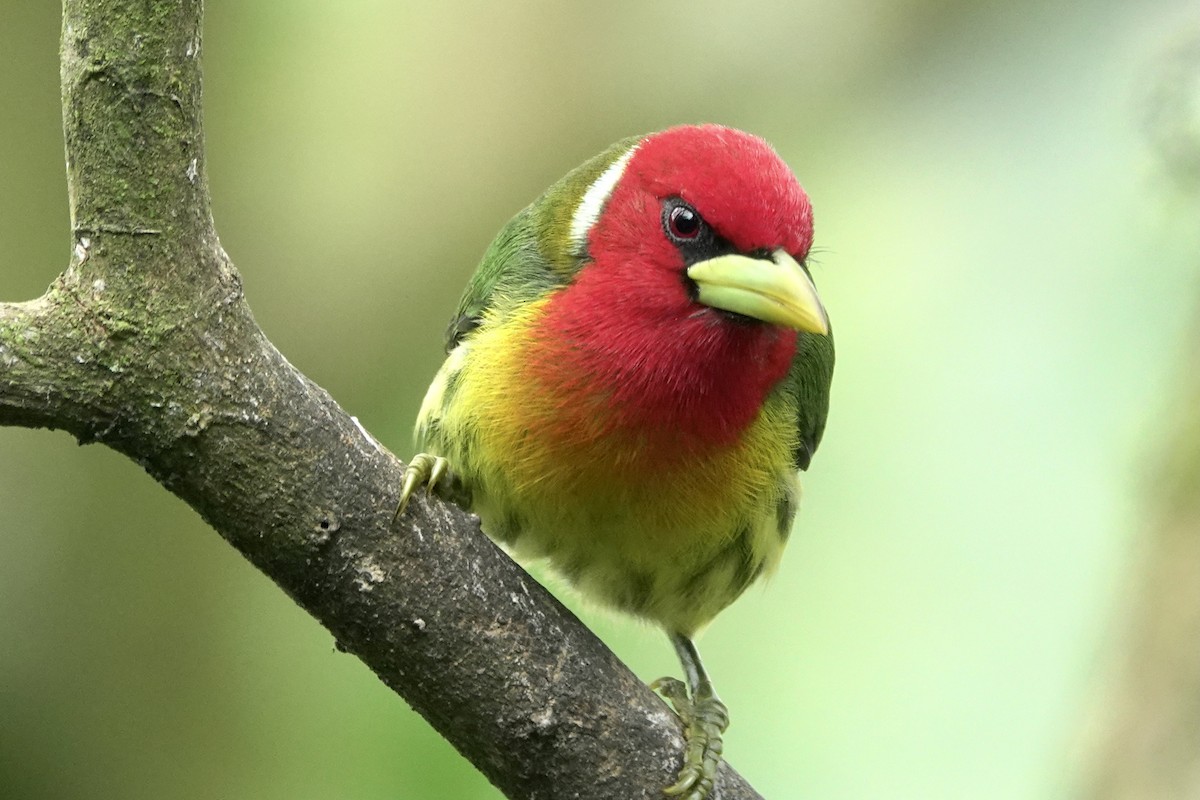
{"points": [[693, 380]]}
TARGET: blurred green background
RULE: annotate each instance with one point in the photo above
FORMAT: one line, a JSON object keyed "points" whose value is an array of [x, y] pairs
{"points": [[1009, 271]]}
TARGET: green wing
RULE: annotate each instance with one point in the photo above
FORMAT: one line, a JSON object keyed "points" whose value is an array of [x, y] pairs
{"points": [[807, 385], [533, 254], [513, 271]]}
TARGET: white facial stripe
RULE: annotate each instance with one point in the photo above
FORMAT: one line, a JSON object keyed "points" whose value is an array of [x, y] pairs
{"points": [[594, 198]]}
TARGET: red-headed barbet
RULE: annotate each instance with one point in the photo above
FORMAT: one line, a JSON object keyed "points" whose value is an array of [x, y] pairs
{"points": [[637, 370]]}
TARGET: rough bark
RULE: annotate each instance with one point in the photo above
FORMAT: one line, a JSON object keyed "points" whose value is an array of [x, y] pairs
{"points": [[145, 344]]}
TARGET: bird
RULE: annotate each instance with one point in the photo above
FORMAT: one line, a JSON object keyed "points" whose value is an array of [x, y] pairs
{"points": [[636, 373]]}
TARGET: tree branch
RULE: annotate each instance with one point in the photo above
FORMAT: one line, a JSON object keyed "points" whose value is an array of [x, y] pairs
{"points": [[145, 343]]}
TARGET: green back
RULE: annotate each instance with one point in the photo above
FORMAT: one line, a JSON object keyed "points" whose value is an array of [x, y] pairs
{"points": [[533, 253]]}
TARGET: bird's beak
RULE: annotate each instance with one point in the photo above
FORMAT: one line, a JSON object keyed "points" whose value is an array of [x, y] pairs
{"points": [[775, 290]]}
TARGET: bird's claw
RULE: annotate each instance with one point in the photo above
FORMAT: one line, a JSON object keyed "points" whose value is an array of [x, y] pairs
{"points": [[704, 719], [424, 470]]}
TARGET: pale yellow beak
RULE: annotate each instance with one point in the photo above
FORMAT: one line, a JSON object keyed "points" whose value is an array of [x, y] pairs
{"points": [[775, 290]]}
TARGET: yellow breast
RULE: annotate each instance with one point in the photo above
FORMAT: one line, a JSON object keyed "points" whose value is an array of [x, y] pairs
{"points": [[652, 526]]}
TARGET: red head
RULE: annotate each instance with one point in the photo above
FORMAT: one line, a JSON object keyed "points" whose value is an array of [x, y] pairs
{"points": [[661, 340], [736, 182]]}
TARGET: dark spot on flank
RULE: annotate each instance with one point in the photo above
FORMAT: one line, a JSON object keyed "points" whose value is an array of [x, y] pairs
{"points": [[510, 527], [749, 565], [458, 491], [465, 445], [737, 553], [641, 584], [785, 515], [572, 571], [453, 380]]}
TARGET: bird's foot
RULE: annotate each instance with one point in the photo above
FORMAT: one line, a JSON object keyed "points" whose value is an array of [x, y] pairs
{"points": [[704, 718], [424, 470]]}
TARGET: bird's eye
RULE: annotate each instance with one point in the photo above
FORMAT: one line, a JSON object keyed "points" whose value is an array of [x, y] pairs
{"points": [[683, 223]]}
